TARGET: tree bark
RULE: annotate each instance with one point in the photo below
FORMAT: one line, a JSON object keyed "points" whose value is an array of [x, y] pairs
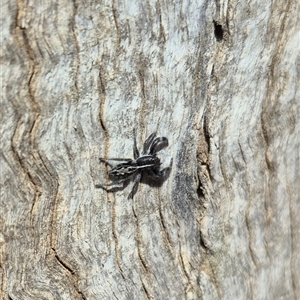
{"points": [[220, 80]]}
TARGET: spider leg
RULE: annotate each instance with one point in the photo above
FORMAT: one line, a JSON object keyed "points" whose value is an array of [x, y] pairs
{"points": [[136, 152], [148, 142], [106, 160], [160, 174], [118, 184], [115, 182], [158, 144], [109, 190], [116, 159], [137, 180]]}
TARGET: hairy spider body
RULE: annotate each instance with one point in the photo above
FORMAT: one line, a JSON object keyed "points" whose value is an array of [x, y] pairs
{"points": [[148, 163]]}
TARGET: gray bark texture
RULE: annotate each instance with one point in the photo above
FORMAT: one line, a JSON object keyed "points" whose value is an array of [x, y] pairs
{"points": [[219, 79]]}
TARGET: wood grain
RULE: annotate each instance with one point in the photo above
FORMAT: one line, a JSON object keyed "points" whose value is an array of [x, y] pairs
{"points": [[220, 80]]}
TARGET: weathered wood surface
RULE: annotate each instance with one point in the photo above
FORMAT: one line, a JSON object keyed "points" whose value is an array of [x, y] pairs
{"points": [[220, 80]]}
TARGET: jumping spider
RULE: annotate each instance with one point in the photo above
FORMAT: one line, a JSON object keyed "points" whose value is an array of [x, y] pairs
{"points": [[132, 169]]}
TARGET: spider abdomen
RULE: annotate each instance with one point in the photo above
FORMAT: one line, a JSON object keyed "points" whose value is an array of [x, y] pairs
{"points": [[123, 170]]}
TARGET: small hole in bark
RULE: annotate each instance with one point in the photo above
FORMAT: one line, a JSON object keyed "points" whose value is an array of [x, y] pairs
{"points": [[200, 192], [199, 189], [218, 31]]}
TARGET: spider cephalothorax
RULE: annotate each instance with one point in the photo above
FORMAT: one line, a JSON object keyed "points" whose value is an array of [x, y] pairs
{"points": [[132, 169]]}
